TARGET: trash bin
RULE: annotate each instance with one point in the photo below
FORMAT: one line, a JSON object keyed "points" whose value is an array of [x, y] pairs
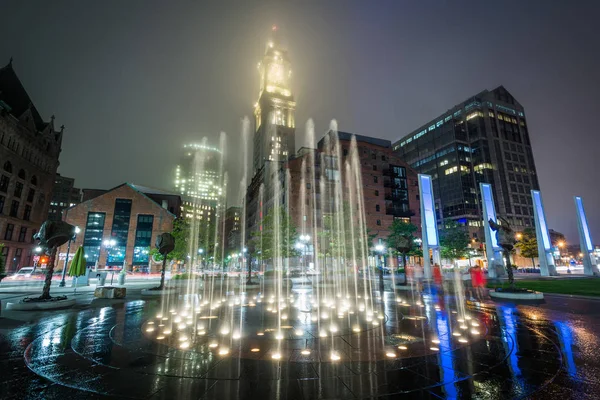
{"points": [[102, 278]]}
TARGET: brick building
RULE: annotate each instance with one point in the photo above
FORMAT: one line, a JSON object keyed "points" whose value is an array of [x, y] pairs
{"points": [[125, 214], [29, 150], [389, 186]]}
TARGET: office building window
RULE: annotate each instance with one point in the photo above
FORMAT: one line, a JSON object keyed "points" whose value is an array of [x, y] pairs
{"points": [[143, 239], [9, 231], [377, 208], [377, 193], [374, 179], [22, 234], [14, 208], [374, 167], [119, 232], [30, 195], [379, 222], [2, 201], [92, 237]]}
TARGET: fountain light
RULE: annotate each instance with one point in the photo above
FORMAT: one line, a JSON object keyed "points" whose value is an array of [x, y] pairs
{"points": [[279, 336], [165, 318], [314, 318], [149, 329], [375, 323], [434, 348], [456, 334], [322, 334], [333, 328], [184, 345], [203, 332], [213, 345], [356, 329], [260, 333], [474, 331], [224, 331], [284, 316], [160, 337], [276, 356], [158, 316], [183, 338], [223, 351], [299, 332], [463, 340], [255, 350], [473, 323], [167, 332], [468, 317], [463, 327], [335, 356], [181, 326], [305, 352], [177, 320], [380, 316], [150, 322], [236, 336], [460, 320], [390, 354], [436, 341], [403, 347]]}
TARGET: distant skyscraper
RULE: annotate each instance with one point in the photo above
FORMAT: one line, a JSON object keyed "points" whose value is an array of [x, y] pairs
{"points": [[483, 139], [199, 181], [64, 195], [274, 138]]}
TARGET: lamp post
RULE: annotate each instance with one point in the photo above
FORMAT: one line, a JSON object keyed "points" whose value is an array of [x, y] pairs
{"points": [[64, 271], [380, 249], [561, 244], [109, 244]]}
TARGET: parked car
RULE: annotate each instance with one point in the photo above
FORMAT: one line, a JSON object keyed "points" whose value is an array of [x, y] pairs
{"points": [[28, 272]]}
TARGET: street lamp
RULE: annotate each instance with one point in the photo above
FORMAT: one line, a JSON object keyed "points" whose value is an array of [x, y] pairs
{"points": [[561, 245], [64, 271], [380, 250]]}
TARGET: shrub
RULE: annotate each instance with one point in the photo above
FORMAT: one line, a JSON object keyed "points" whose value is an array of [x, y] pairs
{"points": [[185, 275]]}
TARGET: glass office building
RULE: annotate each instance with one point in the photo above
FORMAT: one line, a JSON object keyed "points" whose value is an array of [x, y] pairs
{"points": [[483, 139]]}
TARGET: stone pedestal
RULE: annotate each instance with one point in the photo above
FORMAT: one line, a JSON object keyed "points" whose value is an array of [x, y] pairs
{"points": [[110, 292]]}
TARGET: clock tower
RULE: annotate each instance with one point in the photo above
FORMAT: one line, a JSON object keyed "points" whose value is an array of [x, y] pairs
{"points": [[274, 120]]}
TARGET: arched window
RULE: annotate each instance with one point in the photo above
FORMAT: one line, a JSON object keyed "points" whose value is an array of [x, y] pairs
{"points": [[22, 173], [8, 166], [34, 180]]}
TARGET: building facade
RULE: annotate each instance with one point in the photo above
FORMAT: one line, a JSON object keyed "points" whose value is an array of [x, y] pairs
{"points": [[64, 195], [388, 185], [29, 151], [233, 229], [483, 139], [123, 214]]}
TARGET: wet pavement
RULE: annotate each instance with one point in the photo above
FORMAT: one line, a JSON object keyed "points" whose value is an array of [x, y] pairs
{"points": [[426, 347]]}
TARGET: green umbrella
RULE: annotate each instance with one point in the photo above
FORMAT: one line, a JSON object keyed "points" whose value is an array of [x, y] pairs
{"points": [[78, 265]]}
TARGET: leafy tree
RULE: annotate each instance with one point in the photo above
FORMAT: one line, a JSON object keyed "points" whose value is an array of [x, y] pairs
{"points": [[273, 241], [454, 241], [401, 238], [181, 233], [527, 245]]}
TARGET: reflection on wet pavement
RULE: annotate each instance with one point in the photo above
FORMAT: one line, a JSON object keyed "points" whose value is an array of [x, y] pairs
{"points": [[426, 349]]}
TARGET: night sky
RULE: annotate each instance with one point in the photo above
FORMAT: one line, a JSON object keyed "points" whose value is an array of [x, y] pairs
{"points": [[132, 81]]}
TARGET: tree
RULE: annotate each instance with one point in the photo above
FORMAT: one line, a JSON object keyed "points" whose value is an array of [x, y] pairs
{"points": [[528, 246], [181, 233], [274, 241], [454, 241], [401, 238]]}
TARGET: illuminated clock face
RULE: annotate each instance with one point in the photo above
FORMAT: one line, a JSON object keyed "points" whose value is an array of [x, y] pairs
{"points": [[276, 75]]}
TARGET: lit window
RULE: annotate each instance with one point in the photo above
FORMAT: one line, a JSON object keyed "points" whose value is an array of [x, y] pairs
{"points": [[451, 170]]}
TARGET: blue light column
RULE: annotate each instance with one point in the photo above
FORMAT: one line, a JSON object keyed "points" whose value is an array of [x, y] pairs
{"points": [[492, 250], [545, 256], [428, 224], [590, 266]]}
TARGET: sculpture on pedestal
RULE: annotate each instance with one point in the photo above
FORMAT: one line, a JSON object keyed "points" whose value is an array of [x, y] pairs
{"points": [[505, 237]]}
